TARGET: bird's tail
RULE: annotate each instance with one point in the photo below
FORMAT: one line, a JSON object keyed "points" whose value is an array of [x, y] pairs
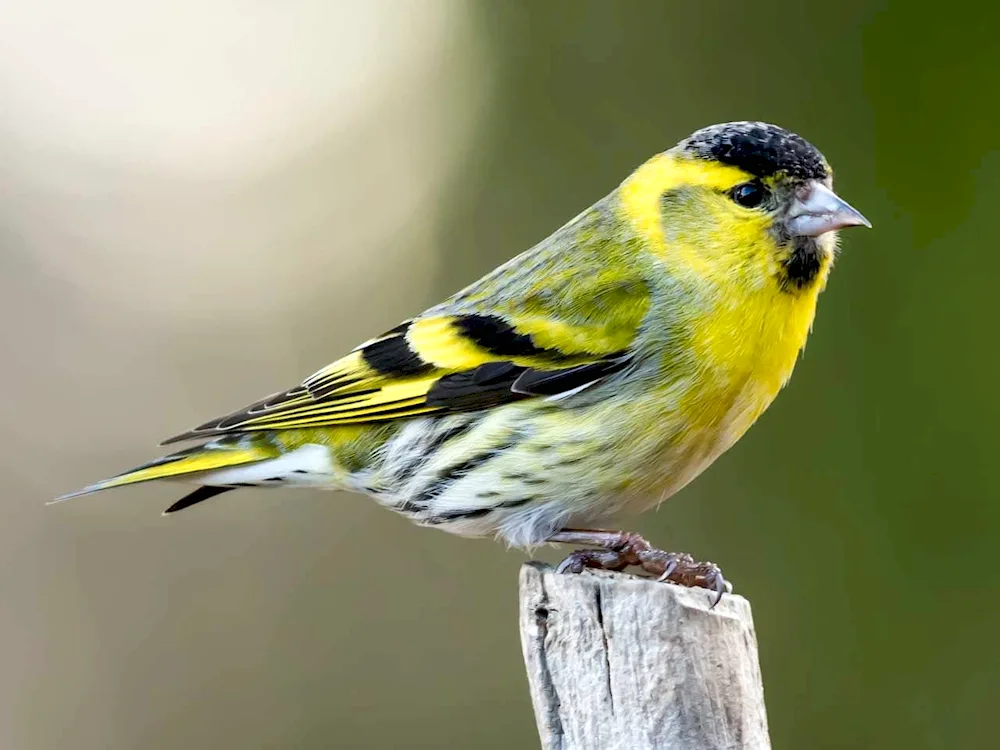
{"points": [[190, 463]]}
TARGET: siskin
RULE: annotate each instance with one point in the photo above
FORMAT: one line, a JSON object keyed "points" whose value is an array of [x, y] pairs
{"points": [[598, 372]]}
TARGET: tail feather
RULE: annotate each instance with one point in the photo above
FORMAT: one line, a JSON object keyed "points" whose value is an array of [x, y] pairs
{"points": [[204, 492], [191, 461]]}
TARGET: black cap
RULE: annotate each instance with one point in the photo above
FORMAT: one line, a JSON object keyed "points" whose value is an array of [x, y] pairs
{"points": [[759, 149]]}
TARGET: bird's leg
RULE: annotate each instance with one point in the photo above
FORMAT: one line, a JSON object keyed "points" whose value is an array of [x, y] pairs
{"points": [[620, 549]]}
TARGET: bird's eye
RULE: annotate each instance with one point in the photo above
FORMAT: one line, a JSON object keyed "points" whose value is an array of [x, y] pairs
{"points": [[749, 194]]}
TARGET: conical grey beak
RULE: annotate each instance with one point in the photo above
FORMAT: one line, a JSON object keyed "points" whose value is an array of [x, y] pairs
{"points": [[817, 210]]}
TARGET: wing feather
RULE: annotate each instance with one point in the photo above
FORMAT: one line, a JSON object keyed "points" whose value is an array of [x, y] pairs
{"points": [[438, 363]]}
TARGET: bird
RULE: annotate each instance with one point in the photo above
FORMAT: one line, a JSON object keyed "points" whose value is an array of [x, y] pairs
{"points": [[595, 374]]}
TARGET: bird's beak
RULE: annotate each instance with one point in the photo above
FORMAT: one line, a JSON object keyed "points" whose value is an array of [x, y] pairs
{"points": [[817, 210]]}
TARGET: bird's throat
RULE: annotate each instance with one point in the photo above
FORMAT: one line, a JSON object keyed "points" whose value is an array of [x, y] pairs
{"points": [[803, 265]]}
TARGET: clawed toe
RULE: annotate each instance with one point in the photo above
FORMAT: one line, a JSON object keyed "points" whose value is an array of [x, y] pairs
{"points": [[684, 570], [601, 559]]}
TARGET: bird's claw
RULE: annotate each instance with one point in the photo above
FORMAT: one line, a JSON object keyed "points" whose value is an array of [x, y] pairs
{"points": [[624, 550], [668, 571]]}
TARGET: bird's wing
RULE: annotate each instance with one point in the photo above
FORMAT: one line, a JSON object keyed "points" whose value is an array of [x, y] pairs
{"points": [[460, 361]]}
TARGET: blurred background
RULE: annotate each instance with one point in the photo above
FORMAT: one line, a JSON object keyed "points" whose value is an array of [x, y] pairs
{"points": [[203, 202]]}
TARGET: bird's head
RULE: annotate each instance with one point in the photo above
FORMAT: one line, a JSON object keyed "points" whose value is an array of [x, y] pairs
{"points": [[743, 197]]}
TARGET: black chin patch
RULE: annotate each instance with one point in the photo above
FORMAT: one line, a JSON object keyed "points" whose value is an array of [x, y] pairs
{"points": [[802, 265]]}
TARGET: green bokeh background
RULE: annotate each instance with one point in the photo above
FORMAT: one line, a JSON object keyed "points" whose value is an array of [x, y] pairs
{"points": [[860, 515]]}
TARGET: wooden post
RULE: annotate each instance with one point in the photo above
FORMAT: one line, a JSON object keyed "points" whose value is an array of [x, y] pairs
{"points": [[619, 662]]}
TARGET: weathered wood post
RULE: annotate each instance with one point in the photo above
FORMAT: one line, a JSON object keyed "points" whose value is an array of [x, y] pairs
{"points": [[616, 661]]}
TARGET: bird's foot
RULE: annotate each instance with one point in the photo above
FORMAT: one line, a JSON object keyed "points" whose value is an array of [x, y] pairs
{"points": [[620, 550]]}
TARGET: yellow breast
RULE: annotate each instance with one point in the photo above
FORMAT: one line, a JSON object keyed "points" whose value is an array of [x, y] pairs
{"points": [[748, 351], [745, 354]]}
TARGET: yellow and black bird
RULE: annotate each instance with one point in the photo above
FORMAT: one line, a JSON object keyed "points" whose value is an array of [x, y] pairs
{"points": [[598, 372]]}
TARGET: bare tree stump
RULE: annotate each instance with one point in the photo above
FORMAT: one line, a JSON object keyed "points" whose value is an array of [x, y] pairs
{"points": [[616, 661]]}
